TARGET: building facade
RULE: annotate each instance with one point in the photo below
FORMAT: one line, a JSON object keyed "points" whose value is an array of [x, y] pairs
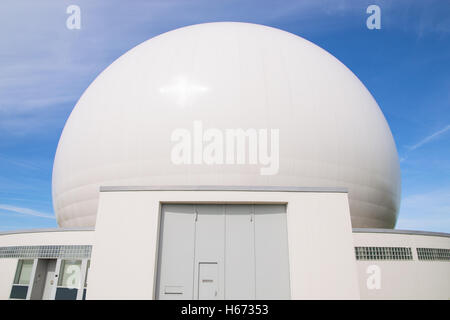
{"points": [[226, 161]]}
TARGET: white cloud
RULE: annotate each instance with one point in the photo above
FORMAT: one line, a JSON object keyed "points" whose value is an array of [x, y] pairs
{"points": [[423, 142], [429, 138], [26, 211]]}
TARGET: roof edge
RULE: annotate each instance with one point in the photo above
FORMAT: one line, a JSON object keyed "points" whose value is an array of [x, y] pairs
{"points": [[406, 232], [2, 233], [224, 188]]}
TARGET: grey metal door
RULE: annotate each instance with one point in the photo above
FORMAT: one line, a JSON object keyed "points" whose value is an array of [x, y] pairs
{"points": [[223, 252], [50, 280], [239, 252], [208, 279], [176, 252], [209, 245]]}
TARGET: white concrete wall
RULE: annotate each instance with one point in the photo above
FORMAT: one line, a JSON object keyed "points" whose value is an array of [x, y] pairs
{"points": [[415, 279], [7, 272], [35, 238], [321, 256]]}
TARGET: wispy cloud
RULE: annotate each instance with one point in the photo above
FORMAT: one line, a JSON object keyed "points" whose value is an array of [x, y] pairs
{"points": [[23, 163], [424, 141], [26, 211], [429, 138]]}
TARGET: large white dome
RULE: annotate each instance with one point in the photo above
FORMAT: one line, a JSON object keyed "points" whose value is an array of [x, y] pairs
{"points": [[227, 75]]}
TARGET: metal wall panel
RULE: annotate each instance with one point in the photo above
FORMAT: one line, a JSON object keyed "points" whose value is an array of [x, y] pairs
{"points": [[272, 256], [239, 252], [176, 261], [210, 243]]}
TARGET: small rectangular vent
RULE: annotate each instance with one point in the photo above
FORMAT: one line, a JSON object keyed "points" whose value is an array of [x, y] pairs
{"points": [[47, 252], [433, 254], [383, 253]]}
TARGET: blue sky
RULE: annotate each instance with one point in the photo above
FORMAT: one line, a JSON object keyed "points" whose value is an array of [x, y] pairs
{"points": [[45, 67]]}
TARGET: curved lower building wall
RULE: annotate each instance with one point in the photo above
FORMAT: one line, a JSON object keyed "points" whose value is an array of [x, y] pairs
{"points": [[398, 265], [390, 264], [40, 247]]}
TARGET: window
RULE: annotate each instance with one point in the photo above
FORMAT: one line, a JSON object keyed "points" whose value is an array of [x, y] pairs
{"points": [[23, 272], [70, 274]]}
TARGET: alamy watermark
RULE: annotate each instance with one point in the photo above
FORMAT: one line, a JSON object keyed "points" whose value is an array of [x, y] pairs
{"points": [[74, 20], [374, 279], [73, 280], [214, 146], [374, 20]]}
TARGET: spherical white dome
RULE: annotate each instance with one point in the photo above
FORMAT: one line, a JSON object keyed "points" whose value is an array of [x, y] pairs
{"points": [[227, 76]]}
